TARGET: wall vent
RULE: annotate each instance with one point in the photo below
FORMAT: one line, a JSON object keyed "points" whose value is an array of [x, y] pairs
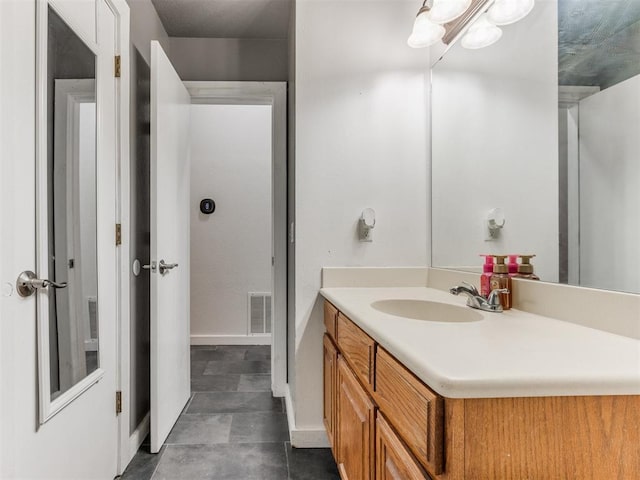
{"points": [[259, 313]]}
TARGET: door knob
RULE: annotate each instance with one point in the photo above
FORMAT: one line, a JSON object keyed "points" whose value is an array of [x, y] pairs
{"points": [[27, 283], [164, 267]]}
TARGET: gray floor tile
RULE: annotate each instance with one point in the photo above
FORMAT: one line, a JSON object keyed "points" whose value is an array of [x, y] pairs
{"points": [[311, 464], [218, 367], [258, 352], [234, 402], [254, 382], [200, 429], [197, 367], [262, 461], [219, 352], [142, 465], [216, 383], [259, 427]]}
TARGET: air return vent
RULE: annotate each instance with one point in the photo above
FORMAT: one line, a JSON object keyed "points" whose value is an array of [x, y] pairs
{"points": [[259, 313], [91, 343]]}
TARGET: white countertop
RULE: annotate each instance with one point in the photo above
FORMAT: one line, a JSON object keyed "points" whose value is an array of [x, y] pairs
{"points": [[510, 354]]}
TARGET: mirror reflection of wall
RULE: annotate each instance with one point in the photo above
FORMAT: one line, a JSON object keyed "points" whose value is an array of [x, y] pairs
{"points": [[494, 141], [599, 115], [71, 172], [540, 124]]}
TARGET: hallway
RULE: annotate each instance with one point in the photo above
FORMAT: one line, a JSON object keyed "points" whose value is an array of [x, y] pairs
{"points": [[232, 428]]}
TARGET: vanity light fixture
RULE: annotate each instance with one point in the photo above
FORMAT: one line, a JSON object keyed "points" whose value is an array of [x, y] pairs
{"points": [[506, 12], [425, 32], [444, 11], [481, 34]]}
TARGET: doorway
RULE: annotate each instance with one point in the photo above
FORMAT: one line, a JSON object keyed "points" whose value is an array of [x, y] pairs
{"points": [[265, 105], [231, 224], [251, 116]]}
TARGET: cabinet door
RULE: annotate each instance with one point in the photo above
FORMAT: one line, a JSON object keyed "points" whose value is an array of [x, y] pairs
{"points": [[393, 460], [354, 427], [330, 378]]}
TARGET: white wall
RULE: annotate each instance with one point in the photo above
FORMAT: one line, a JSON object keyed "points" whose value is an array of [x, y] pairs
{"points": [[146, 26], [495, 144], [361, 141], [231, 248], [609, 193], [230, 59]]}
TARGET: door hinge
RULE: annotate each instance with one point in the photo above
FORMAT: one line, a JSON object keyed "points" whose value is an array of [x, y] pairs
{"points": [[118, 234], [118, 402], [118, 66]]}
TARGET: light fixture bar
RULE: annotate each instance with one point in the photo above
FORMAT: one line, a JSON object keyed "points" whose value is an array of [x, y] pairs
{"points": [[457, 26]]}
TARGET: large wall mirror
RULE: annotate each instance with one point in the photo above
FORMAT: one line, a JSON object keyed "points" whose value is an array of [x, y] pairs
{"points": [[543, 125], [67, 221]]}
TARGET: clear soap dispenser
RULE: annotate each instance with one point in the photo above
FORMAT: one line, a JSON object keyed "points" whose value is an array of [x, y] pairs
{"points": [[525, 269], [501, 280]]}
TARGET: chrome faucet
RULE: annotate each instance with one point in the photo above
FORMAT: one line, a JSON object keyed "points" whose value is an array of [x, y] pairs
{"points": [[475, 300]]}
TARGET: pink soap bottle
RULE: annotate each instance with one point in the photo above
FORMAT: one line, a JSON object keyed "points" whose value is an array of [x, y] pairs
{"points": [[513, 265], [485, 278]]}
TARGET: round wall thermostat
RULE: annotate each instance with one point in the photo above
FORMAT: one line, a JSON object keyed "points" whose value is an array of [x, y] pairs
{"points": [[207, 206]]}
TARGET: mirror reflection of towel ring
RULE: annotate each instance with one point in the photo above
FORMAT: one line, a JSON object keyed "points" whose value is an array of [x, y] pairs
{"points": [[495, 221]]}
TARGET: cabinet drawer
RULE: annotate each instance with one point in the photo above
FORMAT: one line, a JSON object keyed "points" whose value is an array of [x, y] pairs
{"points": [[393, 460], [330, 319], [416, 412], [358, 348]]}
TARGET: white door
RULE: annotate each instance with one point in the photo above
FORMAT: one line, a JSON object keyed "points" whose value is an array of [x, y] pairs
{"points": [[57, 396], [170, 171]]}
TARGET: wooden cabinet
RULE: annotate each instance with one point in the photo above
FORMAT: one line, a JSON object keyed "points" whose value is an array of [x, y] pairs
{"points": [[358, 348], [355, 422], [330, 372], [417, 411], [419, 433], [393, 459]]}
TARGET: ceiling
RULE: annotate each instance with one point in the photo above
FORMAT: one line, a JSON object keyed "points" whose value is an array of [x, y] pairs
{"points": [[225, 18], [599, 41]]}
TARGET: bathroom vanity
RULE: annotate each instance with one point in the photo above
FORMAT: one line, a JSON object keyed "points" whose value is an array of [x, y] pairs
{"points": [[417, 386]]}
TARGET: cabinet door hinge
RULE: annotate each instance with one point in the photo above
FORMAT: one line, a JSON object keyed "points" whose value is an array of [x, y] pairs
{"points": [[118, 66], [118, 234], [118, 402]]}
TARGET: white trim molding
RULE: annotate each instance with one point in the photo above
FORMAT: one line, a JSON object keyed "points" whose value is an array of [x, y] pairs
{"points": [[138, 436], [303, 437]]}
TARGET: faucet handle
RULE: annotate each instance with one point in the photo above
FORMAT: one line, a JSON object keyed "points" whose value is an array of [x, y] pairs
{"points": [[472, 287], [494, 297]]}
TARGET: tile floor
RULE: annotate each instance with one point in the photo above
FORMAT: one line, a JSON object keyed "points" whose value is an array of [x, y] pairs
{"points": [[232, 428]]}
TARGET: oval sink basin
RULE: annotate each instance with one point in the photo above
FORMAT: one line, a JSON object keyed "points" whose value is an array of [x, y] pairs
{"points": [[428, 311]]}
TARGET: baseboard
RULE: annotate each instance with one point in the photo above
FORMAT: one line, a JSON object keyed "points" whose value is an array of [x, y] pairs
{"points": [[138, 436], [303, 437], [230, 339]]}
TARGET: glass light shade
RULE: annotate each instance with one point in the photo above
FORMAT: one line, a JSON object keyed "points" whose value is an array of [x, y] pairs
{"points": [[444, 11], [506, 12], [425, 32], [481, 34]]}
